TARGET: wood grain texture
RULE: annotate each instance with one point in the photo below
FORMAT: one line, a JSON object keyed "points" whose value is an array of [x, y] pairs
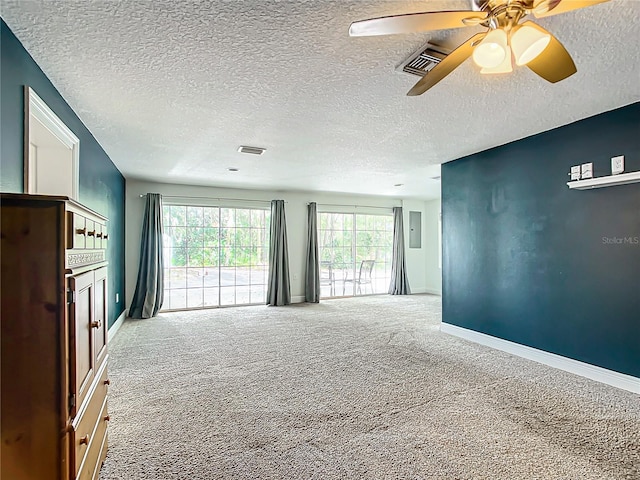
{"points": [[47, 340], [33, 311]]}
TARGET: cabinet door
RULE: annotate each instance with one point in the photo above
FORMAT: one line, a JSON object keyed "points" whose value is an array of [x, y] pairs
{"points": [[100, 330], [81, 350]]}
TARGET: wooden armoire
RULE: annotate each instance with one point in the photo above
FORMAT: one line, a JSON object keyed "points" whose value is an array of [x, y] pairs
{"points": [[53, 317]]}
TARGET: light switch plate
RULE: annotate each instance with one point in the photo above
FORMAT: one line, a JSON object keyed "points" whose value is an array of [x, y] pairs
{"points": [[617, 165], [575, 172], [587, 170]]}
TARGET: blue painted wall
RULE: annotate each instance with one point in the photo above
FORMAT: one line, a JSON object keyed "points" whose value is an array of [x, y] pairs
{"points": [[528, 260], [102, 186]]}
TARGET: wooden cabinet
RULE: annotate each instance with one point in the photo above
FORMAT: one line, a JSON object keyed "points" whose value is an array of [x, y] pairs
{"points": [[54, 376]]}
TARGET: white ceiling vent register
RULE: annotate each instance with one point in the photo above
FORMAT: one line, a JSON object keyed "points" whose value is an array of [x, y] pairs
{"points": [[424, 60], [251, 150]]}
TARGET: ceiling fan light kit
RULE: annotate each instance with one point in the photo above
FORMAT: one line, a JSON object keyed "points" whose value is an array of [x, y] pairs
{"points": [[505, 67], [527, 43], [492, 50]]}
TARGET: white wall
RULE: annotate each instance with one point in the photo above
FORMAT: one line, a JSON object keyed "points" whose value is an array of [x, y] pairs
{"points": [[433, 271], [296, 213]]}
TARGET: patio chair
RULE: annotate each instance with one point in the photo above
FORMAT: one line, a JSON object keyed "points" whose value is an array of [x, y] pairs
{"points": [[327, 276], [364, 277]]}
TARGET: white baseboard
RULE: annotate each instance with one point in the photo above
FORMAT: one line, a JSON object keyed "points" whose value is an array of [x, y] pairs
{"points": [[422, 290], [432, 291], [118, 323], [599, 374], [418, 291], [298, 299]]}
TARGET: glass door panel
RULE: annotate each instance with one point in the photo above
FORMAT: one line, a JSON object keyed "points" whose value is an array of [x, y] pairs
{"points": [[355, 253], [214, 256]]}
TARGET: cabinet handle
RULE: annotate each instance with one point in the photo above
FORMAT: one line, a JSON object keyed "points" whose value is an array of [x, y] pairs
{"points": [[97, 324], [92, 233], [105, 236], [81, 231], [107, 382], [85, 440], [99, 235], [107, 418]]}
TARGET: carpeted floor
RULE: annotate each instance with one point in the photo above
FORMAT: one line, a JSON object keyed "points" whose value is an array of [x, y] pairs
{"points": [[361, 388]]}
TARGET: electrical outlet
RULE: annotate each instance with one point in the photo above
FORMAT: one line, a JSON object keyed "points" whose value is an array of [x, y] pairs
{"points": [[117, 297], [575, 172], [617, 165], [586, 170]]}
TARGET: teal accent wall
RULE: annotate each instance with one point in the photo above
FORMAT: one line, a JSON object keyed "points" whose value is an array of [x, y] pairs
{"points": [[528, 260], [102, 186]]}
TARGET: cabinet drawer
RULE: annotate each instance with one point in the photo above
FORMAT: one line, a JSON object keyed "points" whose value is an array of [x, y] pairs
{"points": [[98, 236], [94, 455], [87, 429], [79, 231], [91, 234]]}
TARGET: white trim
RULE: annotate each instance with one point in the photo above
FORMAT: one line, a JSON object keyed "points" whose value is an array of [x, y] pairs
{"points": [[36, 107], [420, 291], [432, 291], [117, 324], [599, 374], [298, 299]]}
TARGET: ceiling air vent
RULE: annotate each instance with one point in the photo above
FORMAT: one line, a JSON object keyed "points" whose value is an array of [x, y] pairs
{"points": [[252, 150], [424, 60]]}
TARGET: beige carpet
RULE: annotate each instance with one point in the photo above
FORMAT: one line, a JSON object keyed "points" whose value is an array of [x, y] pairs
{"points": [[362, 388]]}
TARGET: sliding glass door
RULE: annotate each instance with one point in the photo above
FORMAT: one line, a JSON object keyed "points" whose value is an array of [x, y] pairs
{"points": [[214, 256], [355, 253]]}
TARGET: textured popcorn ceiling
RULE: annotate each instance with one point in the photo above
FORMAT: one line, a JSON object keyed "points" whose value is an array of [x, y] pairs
{"points": [[170, 89]]}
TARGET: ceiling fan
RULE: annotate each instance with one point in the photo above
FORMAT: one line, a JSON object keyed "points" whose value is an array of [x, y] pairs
{"points": [[506, 36]]}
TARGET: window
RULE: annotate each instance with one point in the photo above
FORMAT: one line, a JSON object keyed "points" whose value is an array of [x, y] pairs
{"points": [[355, 253], [214, 256]]}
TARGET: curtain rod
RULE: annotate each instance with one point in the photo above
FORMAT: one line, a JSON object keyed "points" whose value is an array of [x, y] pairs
{"points": [[212, 198], [355, 206]]}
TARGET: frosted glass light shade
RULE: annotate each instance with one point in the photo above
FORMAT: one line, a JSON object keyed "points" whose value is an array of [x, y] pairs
{"points": [[527, 43], [492, 50], [505, 67]]}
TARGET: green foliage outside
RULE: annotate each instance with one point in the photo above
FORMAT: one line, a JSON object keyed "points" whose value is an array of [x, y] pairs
{"points": [[214, 236], [373, 238]]}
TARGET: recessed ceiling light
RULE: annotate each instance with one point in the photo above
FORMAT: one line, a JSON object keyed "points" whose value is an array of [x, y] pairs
{"points": [[233, 169], [398, 184], [251, 150]]}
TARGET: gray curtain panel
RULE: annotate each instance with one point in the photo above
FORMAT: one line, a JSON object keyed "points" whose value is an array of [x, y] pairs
{"points": [[149, 293], [279, 289], [312, 276], [399, 280]]}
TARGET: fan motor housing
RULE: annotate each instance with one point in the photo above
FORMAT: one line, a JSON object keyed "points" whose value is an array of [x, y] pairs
{"points": [[489, 5]]}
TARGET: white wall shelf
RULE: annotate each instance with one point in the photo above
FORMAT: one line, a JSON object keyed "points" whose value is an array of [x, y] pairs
{"points": [[608, 181]]}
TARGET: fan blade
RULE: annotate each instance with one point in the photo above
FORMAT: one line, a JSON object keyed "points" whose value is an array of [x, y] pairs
{"points": [[555, 7], [413, 22], [446, 66], [554, 63]]}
